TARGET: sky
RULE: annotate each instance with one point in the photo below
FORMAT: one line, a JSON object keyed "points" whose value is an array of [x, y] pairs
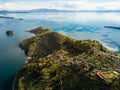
{"points": [[60, 4]]}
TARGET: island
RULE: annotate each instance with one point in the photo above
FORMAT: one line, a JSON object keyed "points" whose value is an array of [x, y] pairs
{"points": [[58, 62], [7, 17], [9, 33]]}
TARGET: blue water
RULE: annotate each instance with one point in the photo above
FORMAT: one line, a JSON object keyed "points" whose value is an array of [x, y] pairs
{"points": [[74, 24]]}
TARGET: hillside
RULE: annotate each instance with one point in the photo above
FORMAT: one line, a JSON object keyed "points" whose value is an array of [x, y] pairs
{"points": [[57, 62]]}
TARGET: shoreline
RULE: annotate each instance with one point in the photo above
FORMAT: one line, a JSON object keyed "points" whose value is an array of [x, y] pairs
{"points": [[14, 83]]}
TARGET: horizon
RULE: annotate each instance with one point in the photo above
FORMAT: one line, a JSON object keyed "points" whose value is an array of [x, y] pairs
{"points": [[76, 5], [58, 10]]}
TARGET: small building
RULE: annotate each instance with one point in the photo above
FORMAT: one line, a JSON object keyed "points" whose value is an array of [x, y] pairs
{"points": [[107, 76]]}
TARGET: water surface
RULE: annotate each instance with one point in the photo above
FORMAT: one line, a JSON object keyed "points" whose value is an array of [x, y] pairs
{"points": [[74, 24]]}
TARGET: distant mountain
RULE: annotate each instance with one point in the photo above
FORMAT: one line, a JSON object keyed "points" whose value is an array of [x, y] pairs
{"points": [[54, 10], [34, 10], [47, 10], [57, 10], [14, 11]]}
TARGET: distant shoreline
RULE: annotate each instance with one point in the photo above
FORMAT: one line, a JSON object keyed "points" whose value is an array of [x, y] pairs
{"points": [[113, 27], [57, 10], [11, 17]]}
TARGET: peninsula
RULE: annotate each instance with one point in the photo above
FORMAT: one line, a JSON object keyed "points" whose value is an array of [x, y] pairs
{"points": [[58, 62], [113, 27]]}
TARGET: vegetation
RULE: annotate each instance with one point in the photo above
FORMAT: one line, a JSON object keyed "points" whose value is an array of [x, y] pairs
{"points": [[61, 63], [9, 32]]}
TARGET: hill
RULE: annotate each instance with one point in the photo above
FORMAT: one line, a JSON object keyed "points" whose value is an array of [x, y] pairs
{"points": [[57, 10], [58, 62]]}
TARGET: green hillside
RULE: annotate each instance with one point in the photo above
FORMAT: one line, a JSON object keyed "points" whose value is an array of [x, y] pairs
{"points": [[57, 62]]}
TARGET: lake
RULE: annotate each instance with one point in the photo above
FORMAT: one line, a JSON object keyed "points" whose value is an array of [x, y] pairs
{"points": [[78, 25]]}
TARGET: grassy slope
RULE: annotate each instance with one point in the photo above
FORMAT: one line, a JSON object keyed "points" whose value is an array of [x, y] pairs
{"points": [[61, 63]]}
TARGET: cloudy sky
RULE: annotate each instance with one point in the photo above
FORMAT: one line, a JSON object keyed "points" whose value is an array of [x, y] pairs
{"points": [[60, 4]]}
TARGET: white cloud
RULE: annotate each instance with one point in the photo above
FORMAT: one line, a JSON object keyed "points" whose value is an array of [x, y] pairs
{"points": [[6, 5], [67, 5]]}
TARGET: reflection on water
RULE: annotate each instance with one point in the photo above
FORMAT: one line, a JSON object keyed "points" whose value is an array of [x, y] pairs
{"points": [[76, 25]]}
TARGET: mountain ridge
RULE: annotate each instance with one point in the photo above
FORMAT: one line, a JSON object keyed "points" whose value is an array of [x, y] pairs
{"points": [[54, 10]]}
